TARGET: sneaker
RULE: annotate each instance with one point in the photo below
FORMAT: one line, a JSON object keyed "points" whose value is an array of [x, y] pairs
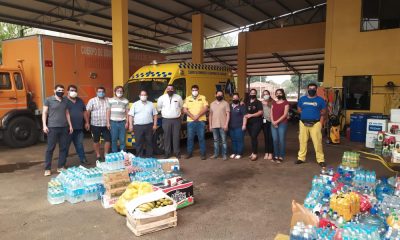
{"points": [[178, 156], [188, 156], [238, 157], [299, 162], [47, 173], [59, 170], [84, 161], [232, 156], [203, 157], [214, 157], [224, 158], [322, 164]]}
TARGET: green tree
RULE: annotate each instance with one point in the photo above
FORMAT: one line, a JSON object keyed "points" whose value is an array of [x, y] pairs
{"points": [[305, 80], [8, 31]]}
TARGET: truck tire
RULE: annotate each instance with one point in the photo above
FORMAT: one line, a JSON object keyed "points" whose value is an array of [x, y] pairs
{"points": [[158, 140], [21, 132]]}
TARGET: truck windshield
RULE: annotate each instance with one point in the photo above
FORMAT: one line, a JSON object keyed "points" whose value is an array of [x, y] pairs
{"points": [[155, 87]]}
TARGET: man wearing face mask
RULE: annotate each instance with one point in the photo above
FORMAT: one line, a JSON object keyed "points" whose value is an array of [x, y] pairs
{"points": [[312, 110], [143, 121], [117, 116], [195, 107], [57, 125], [218, 123], [170, 105], [79, 119], [97, 110]]}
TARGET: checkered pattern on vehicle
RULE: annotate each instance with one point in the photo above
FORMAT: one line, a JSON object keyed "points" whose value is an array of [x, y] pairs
{"points": [[153, 74], [188, 65]]}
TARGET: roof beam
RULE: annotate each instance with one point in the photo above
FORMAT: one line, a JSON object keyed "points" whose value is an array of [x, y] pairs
{"points": [[44, 13], [230, 9], [309, 3], [180, 16], [289, 10], [281, 59], [184, 3], [260, 10], [69, 30], [141, 15], [104, 16]]}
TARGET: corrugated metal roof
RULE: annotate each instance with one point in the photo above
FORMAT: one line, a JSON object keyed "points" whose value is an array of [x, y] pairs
{"points": [[155, 24]]}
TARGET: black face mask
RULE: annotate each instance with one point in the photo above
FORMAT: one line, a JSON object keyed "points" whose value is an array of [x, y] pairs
{"points": [[235, 101], [60, 94], [170, 93], [312, 92], [219, 98], [253, 96], [280, 97]]}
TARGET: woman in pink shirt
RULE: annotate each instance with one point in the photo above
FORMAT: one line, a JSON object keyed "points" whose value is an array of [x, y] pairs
{"points": [[279, 114]]}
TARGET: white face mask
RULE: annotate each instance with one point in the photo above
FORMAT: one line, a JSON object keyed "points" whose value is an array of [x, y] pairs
{"points": [[266, 97], [143, 98], [119, 94], [73, 94], [195, 93]]}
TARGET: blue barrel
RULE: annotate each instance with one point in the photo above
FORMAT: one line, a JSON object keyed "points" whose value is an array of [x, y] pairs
{"points": [[358, 125]]}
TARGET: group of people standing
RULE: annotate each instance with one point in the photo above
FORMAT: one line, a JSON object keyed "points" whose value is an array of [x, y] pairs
{"points": [[65, 118]]}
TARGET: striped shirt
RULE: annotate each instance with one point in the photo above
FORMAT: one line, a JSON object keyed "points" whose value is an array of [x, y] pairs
{"points": [[118, 107], [98, 111]]}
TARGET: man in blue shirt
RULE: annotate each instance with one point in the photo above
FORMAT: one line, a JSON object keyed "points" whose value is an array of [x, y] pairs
{"points": [[143, 121], [77, 111], [312, 109]]}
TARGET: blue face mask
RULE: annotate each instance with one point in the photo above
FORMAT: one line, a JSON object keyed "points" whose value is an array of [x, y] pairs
{"points": [[101, 94]]}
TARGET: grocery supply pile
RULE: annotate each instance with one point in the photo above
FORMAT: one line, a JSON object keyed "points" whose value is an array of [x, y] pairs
{"points": [[348, 203], [147, 191]]}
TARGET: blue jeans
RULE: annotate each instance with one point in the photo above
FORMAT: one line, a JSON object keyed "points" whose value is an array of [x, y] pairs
{"points": [[77, 138], [117, 133], [56, 135], [219, 138], [279, 136], [196, 128], [237, 136]]}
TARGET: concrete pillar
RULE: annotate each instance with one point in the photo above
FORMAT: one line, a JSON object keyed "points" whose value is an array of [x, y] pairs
{"points": [[120, 51], [242, 65], [197, 38]]}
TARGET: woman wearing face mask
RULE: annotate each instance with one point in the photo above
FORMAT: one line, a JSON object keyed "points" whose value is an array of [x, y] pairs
{"points": [[237, 125], [267, 104], [254, 121], [279, 114]]}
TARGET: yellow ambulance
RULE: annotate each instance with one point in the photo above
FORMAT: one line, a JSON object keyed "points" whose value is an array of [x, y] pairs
{"points": [[154, 78]]}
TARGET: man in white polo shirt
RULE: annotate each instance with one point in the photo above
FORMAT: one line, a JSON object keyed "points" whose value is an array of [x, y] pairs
{"points": [[143, 121], [170, 105]]}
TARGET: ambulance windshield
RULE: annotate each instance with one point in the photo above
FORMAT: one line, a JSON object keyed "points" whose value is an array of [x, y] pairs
{"points": [[155, 87]]}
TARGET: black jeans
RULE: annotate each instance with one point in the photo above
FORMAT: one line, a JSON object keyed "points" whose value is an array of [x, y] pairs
{"points": [[269, 144], [254, 128], [56, 135], [143, 139]]}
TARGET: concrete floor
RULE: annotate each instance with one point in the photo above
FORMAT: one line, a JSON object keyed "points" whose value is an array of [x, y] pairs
{"points": [[236, 199]]}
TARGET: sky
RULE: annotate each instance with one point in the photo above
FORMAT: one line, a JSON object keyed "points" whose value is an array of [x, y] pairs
{"points": [[278, 79]]}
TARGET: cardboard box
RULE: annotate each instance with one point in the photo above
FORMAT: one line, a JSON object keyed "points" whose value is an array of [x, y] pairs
{"points": [[108, 202], [395, 115], [181, 193], [376, 125], [370, 140], [120, 175], [169, 165], [393, 128]]}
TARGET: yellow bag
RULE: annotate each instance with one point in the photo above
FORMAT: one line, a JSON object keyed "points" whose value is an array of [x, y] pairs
{"points": [[133, 190]]}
